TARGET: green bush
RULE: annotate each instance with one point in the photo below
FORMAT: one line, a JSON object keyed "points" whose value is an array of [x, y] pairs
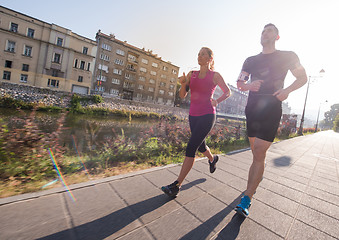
{"points": [[336, 123]]}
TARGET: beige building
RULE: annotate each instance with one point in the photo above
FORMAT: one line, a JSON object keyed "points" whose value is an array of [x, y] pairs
{"points": [[127, 72], [44, 55]]}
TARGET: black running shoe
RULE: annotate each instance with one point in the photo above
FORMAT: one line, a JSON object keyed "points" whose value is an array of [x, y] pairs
{"points": [[212, 164], [172, 189]]}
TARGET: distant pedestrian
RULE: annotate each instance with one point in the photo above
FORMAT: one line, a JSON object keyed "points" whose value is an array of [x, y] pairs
{"points": [[266, 72], [202, 114]]}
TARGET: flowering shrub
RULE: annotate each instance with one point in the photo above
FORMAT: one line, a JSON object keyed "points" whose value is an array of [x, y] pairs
{"points": [[23, 150]]}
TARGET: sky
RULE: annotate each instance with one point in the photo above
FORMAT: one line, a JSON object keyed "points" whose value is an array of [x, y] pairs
{"points": [[177, 29]]}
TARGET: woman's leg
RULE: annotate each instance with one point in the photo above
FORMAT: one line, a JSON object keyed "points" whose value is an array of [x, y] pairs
{"points": [[200, 127]]}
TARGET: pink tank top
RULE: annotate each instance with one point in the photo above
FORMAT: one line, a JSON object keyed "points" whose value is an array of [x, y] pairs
{"points": [[201, 94]]}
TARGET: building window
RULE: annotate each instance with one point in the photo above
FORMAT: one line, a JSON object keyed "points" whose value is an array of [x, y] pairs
{"points": [[141, 87], [152, 81], [53, 83], [115, 81], [164, 68], [6, 75], [25, 67], [55, 73], [10, 46], [160, 100], [131, 67], [60, 41], [84, 50], [163, 76], [145, 61], [57, 58], [119, 62], [143, 79], [82, 65], [28, 51], [8, 64], [88, 66], [171, 86], [104, 57], [161, 92], [106, 47], [144, 70], [172, 80], [154, 65], [149, 98], [174, 71], [23, 78], [127, 76], [80, 79], [162, 84], [153, 73], [30, 32], [102, 78], [128, 85], [170, 94], [151, 89], [14, 27], [120, 52], [103, 68], [75, 63], [100, 88], [114, 92], [117, 71], [132, 58], [139, 96]]}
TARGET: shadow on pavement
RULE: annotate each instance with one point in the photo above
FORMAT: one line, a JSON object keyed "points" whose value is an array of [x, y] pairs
{"points": [[282, 161], [106, 226], [230, 231]]}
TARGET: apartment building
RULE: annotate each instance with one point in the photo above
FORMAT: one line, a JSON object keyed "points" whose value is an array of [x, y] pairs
{"points": [[45, 55], [127, 72]]}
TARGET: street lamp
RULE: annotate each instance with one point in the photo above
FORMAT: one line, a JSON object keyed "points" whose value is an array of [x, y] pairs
{"points": [[316, 125], [300, 131]]}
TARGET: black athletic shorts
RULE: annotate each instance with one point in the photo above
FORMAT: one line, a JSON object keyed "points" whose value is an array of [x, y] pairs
{"points": [[263, 114]]}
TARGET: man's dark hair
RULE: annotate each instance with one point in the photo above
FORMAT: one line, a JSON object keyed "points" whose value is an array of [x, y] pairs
{"points": [[271, 24]]}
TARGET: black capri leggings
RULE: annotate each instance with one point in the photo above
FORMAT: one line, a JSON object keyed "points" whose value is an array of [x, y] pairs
{"points": [[200, 128]]}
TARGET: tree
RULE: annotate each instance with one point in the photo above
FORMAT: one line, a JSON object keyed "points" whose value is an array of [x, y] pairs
{"points": [[336, 124], [331, 115]]}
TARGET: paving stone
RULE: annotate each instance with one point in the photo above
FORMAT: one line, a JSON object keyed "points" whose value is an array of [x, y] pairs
{"points": [[139, 234], [301, 230], [99, 212], [35, 218], [244, 229], [318, 220], [278, 202], [322, 206], [329, 197], [333, 188], [271, 218], [177, 225]]}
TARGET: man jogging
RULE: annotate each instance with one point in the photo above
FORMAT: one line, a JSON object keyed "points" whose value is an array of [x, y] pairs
{"points": [[263, 76]]}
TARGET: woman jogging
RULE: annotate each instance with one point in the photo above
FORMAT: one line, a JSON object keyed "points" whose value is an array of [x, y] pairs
{"points": [[202, 114]]}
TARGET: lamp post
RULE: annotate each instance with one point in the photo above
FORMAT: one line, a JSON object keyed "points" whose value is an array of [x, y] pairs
{"points": [[316, 125], [300, 131]]}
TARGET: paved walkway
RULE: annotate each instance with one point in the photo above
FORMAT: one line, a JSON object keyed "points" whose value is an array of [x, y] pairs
{"points": [[298, 199]]}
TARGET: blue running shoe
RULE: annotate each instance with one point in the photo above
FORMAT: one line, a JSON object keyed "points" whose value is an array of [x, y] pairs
{"points": [[243, 207]]}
